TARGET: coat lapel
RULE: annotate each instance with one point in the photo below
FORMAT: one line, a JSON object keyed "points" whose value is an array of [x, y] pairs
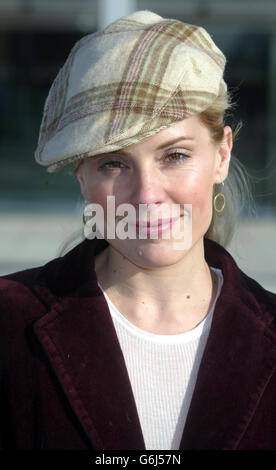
{"points": [[81, 342], [237, 364], [80, 339]]}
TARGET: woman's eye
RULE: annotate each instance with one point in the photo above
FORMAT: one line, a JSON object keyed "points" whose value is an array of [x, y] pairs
{"points": [[111, 165], [176, 157]]}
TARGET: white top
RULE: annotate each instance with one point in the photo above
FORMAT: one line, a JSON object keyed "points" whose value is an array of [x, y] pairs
{"points": [[162, 370]]}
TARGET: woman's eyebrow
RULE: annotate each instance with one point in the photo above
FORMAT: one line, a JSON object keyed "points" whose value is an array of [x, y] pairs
{"points": [[160, 147], [174, 141]]}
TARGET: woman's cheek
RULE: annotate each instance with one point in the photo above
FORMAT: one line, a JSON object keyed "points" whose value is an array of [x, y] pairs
{"points": [[198, 192], [191, 187]]}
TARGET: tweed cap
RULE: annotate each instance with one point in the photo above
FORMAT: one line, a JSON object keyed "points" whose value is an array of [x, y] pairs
{"points": [[124, 84]]}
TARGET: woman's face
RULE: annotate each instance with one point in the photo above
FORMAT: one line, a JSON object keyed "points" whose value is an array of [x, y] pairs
{"points": [[177, 166]]}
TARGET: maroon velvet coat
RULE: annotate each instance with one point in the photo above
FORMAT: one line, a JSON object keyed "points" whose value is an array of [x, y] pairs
{"points": [[64, 383]]}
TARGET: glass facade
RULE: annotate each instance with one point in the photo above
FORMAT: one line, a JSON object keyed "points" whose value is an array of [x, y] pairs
{"points": [[31, 56], [30, 62], [38, 209]]}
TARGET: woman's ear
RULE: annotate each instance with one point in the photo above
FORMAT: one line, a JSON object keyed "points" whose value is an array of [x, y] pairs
{"points": [[224, 155]]}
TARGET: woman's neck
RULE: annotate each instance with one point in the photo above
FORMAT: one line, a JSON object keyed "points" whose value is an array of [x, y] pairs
{"points": [[166, 300]]}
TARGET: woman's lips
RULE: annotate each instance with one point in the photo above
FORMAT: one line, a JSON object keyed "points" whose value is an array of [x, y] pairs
{"points": [[155, 227]]}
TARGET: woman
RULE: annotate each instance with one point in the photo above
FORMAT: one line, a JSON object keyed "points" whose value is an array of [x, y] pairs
{"points": [[159, 340]]}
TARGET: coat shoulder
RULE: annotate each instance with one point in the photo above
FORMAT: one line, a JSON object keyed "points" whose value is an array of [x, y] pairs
{"points": [[20, 295], [263, 297], [15, 287], [25, 277]]}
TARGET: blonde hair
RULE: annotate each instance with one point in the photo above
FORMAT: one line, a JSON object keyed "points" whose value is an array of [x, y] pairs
{"points": [[237, 188]]}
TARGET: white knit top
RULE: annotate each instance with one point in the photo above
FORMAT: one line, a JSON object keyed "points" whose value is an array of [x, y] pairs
{"points": [[162, 370]]}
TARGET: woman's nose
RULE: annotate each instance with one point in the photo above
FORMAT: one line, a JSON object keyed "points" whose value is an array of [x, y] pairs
{"points": [[148, 187]]}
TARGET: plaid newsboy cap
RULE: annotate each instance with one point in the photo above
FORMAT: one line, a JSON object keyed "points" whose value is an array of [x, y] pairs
{"points": [[124, 84]]}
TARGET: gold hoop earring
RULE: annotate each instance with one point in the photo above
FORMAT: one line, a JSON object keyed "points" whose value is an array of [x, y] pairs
{"points": [[219, 207]]}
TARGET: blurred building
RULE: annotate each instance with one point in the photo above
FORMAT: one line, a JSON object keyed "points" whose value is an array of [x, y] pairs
{"points": [[35, 39], [37, 35]]}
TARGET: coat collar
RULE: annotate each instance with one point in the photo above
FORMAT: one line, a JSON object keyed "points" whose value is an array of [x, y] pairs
{"points": [[78, 335]]}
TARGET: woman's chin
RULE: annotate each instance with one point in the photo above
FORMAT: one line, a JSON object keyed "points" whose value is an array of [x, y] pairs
{"points": [[152, 255]]}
